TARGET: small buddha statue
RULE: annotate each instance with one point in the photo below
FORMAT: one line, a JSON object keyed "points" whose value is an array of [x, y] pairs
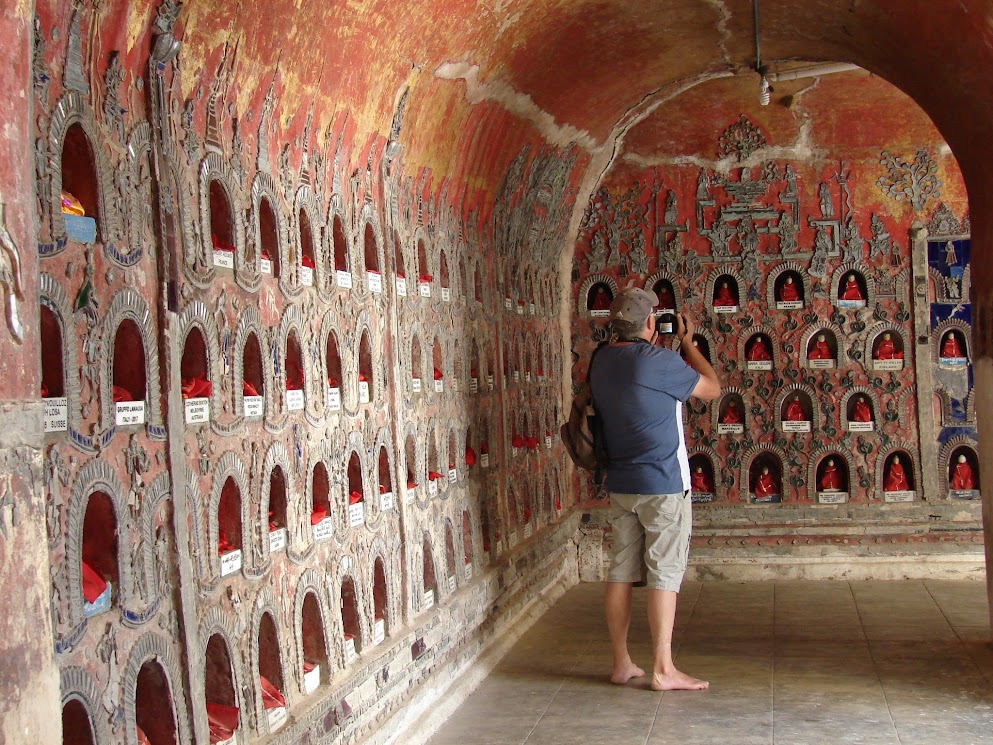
{"points": [[851, 291], [765, 484], [820, 350], [861, 412], [962, 477], [601, 299], [666, 299], [794, 411], [896, 479], [732, 413], [830, 479], [788, 292], [886, 349], [759, 351], [724, 297], [950, 347], [700, 481]]}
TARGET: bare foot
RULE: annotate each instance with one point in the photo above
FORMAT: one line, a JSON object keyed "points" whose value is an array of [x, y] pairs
{"points": [[624, 673], [677, 681]]}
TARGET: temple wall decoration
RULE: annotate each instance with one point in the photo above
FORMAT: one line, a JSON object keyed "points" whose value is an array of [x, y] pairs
{"points": [[236, 303]]}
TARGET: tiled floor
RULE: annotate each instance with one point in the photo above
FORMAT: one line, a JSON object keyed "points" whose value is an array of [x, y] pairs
{"points": [[789, 663]]}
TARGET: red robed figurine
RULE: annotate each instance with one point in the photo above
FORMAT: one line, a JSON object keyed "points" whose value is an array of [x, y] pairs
{"points": [[887, 349], [861, 412], [666, 300], [700, 482], [759, 351], [724, 297], [765, 485], [962, 477], [896, 479], [788, 293], [852, 290], [830, 479], [794, 411], [950, 346], [732, 414], [820, 350], [601, 300]]}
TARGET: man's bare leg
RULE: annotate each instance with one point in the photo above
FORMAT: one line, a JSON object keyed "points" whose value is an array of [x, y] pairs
{"points": [[661, 617], [618, 604]]}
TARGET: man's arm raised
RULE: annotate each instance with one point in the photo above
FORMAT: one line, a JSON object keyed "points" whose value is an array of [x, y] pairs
{"points": [[709, 386]]}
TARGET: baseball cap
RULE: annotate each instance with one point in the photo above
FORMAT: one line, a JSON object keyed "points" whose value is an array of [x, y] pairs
{"points": [[633, 305]]}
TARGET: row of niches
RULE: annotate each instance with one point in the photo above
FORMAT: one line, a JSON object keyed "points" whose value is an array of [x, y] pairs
{"points": [[293, 508], [787, 290], [795, 410], [292, 247], [823, 347], [830, 476], [336, 623]]}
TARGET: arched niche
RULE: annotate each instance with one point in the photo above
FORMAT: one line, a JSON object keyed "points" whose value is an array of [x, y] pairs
{"points": [[271, 680], [860, 412], [194, 372], [371, 250], [443, 277], [666, 295], [356, 491], [428, 576], [52, 371], [484, 528], [467, 551], [822, 349], [452, 453], [765, 478], [316, 660], [887, 350], [898, 474], [253, 379], [80, 186], [477, 283], [727, 294], [276, 516], [759, 351], [100, 568], [221, 701], [222, 231], [129, 384], [320, 506], [154, 714], [853, 289], [796, 411], [788, 290], [229, 527], [471, 457], [953, 345], [380, 601], [422, 261], [701, 476], [399, 263], [77, 726], [294, 370], [702, 343], [598, 298], [350, 620], [474, 370], [731, 414], [434, 467], [332, 361], [451, 563], [410, 458], [366, 391], [416, 365], [385, 479], [438, 366], [269, 239], [832, 479], [339, 245], [963, 470], [308, 260]]}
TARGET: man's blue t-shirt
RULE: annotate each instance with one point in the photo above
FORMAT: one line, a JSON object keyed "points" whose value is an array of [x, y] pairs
{"points": [[639, 392]]}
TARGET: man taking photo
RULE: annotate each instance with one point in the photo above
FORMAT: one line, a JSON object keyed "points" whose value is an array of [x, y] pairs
{"points": [[638, 392]]}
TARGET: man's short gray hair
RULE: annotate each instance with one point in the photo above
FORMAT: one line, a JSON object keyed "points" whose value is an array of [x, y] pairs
{"points": [[627, 328]]}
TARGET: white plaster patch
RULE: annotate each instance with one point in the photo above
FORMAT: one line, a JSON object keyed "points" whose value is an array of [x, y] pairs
{"points": [[519, 104]]}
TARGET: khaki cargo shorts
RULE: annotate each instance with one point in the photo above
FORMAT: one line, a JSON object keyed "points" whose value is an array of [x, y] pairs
{"points": [[651, 538]]}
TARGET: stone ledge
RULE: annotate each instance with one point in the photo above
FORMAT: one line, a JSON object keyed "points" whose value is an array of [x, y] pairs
{"points": [[840, 567]]}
